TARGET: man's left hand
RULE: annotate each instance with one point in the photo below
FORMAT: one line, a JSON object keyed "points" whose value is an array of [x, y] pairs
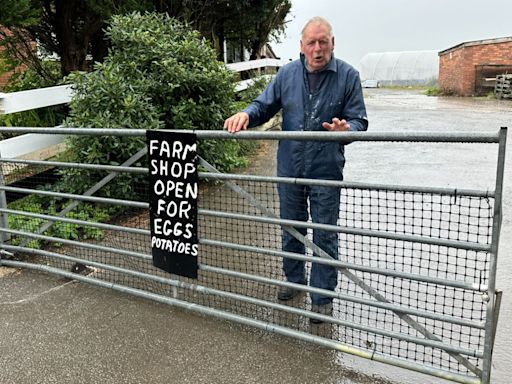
{"points": [[337, 125]]}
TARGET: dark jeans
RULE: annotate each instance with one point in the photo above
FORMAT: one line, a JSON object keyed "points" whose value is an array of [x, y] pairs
{"points": [[324, 206]]}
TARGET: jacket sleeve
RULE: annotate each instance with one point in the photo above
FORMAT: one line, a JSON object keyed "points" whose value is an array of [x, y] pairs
{"points": [[355, 110], [266, 105]]}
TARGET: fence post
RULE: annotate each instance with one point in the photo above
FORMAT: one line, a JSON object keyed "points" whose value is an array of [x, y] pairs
{"points": [[4, 222]]}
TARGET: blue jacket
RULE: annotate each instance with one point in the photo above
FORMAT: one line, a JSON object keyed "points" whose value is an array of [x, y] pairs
{"points": [[338, 95]]}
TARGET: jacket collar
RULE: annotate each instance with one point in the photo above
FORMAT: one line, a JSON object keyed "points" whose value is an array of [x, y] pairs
{"points": [[330, 67]]}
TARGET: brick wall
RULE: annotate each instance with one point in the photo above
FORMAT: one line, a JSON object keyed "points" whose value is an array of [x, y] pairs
{"points": [[457, 66], [4, 78]]}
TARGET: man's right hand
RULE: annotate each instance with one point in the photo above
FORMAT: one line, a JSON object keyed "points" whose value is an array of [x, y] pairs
{"points": [[237, 122]]}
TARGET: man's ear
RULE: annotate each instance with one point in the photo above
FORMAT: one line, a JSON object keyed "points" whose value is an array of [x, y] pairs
{"points": [[301, 50], [333, 43]]}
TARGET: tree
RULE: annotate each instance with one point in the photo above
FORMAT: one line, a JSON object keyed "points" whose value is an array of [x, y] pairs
{"points": [[72, 29], [158, 73], [270, 24], [249, 22]]}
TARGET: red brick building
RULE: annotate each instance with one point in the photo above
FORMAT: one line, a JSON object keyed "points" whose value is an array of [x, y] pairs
{"points": [[469, 68], [5, 76]]}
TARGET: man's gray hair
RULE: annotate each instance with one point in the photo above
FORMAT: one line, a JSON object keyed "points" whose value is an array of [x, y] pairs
{"points": [[317, 20]]}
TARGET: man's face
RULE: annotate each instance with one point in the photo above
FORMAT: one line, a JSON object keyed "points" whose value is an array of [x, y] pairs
{"points": [[317, 46]]}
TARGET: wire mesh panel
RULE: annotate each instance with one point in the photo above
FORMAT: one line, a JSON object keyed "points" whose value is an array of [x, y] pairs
{"points": [[414, 264], [434, 216]]}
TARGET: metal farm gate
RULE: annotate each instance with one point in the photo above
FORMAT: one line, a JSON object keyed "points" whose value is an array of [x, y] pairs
{"points": [[417, 270]]}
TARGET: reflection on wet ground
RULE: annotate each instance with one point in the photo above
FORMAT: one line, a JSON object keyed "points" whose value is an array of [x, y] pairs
{"points": [[401, 98]]}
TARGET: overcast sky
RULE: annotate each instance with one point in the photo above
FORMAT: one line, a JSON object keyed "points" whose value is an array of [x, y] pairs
{"points": [[365, 26]]}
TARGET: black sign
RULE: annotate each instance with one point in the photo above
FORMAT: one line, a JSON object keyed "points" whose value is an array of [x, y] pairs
{"points": [[173, 201]]}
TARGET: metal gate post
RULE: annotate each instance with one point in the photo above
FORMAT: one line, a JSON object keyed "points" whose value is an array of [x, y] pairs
{"points": [[491, 316], [4, 222]]}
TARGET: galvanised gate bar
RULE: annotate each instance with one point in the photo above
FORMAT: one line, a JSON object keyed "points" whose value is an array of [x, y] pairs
{"points": [[417, 269]]}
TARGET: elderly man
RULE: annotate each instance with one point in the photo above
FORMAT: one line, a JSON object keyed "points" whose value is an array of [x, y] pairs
{"points": [[316, 93]]}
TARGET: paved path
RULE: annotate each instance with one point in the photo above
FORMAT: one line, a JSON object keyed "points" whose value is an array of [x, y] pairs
{"points": [[56, 331]]}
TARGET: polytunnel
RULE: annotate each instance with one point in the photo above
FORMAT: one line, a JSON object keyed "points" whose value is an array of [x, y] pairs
{"points": [[401, 68]]}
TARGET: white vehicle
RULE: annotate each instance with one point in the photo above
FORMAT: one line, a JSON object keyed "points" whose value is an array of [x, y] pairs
{"points": [[370, 84]]}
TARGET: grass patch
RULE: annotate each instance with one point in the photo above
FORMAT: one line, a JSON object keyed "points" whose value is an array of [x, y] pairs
{"points": [[405, 87], [432, 91]]}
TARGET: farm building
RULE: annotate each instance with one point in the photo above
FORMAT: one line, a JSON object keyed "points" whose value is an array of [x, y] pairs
{"points": [[470, 68], [6, 75], [400, 68]]}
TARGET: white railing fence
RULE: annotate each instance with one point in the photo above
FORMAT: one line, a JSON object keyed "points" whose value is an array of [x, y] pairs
{"points": [[42, 146]]}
